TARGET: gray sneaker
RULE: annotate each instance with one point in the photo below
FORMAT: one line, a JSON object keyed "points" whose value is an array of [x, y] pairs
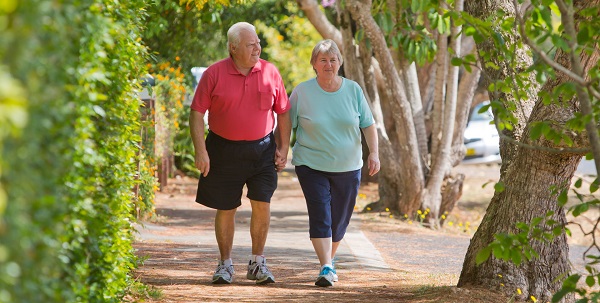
{"points": [[260, 272], [223, 274], [326, 276]]}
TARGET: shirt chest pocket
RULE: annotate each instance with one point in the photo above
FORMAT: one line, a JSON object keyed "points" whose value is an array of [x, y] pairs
{"points": [[266, 100]]}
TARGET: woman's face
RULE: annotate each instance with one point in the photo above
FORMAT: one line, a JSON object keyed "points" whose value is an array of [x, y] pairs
{"points": [[327, 65]]}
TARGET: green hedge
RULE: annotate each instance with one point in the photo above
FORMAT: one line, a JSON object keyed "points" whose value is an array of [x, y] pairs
{"points": [[68, 166]]}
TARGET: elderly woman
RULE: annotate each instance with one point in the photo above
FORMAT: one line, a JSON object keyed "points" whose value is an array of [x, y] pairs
{"points": [[328, 113]]}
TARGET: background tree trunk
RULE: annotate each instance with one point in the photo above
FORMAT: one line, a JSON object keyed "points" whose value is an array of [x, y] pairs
{"points": [[394, 91], [410, 170]]}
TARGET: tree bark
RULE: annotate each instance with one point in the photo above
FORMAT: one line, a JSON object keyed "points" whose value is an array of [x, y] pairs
{"points": [[411, 170], [319, 21], [403, 134], [440, 160], [528, 195]]}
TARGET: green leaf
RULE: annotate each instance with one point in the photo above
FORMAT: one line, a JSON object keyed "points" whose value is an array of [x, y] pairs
{"points": [[415, 5], [546, 16], [522, 226], [567, 140], [492, 65], [557, 231], [583, 36], [499, 252], [516, 257], [559, 295], [469, 31], [594, 186], [100, 111], [456, 61], [359, 35], [536, 131], [578, 183], [483, 255], [571, 281], [441, 25], [580, 209], [499, 187], [590, 281], [563, 198], [568, 232]]}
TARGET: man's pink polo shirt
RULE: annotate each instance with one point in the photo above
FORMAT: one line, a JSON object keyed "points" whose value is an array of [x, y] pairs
{"points": [[241, 107]]}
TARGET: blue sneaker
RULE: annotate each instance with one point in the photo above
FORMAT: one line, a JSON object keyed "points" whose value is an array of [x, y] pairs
{"points": [[335, 276], [326, 276]]}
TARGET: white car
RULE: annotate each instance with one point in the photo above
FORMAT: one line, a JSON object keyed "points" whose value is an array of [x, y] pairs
{"points": [[481, 138]]}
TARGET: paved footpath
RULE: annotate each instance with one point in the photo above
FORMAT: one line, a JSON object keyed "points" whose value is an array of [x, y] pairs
{"points": [[180, 252], [288, 234]]}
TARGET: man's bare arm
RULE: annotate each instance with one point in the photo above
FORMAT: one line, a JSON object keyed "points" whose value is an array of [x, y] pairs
{"points": [[282, 138], [197, 132]]}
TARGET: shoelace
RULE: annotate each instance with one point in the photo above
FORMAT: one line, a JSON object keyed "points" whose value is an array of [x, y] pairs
{"points": [[262, 268], [327, 270], [222, 268]]}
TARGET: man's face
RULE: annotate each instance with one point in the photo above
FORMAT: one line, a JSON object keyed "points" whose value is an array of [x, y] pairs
{"points": [[247, 52]]}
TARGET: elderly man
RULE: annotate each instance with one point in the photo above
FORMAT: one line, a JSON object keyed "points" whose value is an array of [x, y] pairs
{"points": [[242, 94]]}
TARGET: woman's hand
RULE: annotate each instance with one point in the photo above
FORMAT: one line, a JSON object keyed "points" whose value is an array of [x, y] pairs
{"points": [[374, 165], [280, 159]]}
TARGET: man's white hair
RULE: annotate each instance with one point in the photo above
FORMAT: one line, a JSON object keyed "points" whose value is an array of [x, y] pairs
{"points": [[233, 34]]}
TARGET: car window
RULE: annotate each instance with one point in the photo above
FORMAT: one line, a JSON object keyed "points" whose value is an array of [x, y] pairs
{"points": [[477, 116]]}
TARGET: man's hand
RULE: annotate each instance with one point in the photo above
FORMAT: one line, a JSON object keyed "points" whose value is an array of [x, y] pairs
{"points": [[280, 159], [202, 162]]}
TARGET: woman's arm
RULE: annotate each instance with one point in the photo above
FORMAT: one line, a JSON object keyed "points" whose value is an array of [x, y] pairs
{"points": [[373, 164]]}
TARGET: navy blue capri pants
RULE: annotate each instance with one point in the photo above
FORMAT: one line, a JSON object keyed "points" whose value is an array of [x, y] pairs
{"points": [[330, 199], [234, 164]]}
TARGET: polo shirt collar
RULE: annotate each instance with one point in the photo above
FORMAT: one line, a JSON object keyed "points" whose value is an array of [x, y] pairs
{"points": [[232, 70]]}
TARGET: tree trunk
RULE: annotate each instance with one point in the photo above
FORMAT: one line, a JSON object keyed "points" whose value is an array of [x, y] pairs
{"points": [[319, 20], [528, 194], [401, 123], [354, 70], [523, 199], [411, 171], [466, 92], [410, 78], [440, 158]]}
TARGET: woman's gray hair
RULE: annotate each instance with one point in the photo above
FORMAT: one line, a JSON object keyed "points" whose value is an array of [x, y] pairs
{"points": [[233, 34], [326, 46]]}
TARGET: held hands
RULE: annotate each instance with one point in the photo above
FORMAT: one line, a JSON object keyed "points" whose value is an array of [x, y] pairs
{"points": [[280, 159], [373, 164], [202, 162]]}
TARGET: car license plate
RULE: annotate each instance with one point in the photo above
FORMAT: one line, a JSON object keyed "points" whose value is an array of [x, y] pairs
{"points": [[470, 151]]}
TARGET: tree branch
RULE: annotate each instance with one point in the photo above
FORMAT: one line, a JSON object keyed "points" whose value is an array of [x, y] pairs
{"points": [[581, 81], [320, 22]]}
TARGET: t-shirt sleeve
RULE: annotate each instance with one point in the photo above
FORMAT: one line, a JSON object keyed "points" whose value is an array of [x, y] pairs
{"points": [[282, 103], [366, 116], [294, 108], [202, 101]]}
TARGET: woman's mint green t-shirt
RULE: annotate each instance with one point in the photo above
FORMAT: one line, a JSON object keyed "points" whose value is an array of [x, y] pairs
{"points": [[328, 126]]}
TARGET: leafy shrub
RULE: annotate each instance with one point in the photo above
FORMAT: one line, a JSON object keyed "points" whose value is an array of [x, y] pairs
{"points": [[68, 174]]}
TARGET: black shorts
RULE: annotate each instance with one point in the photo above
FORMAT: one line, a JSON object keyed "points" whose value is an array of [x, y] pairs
{"points": [[234, 164]]}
